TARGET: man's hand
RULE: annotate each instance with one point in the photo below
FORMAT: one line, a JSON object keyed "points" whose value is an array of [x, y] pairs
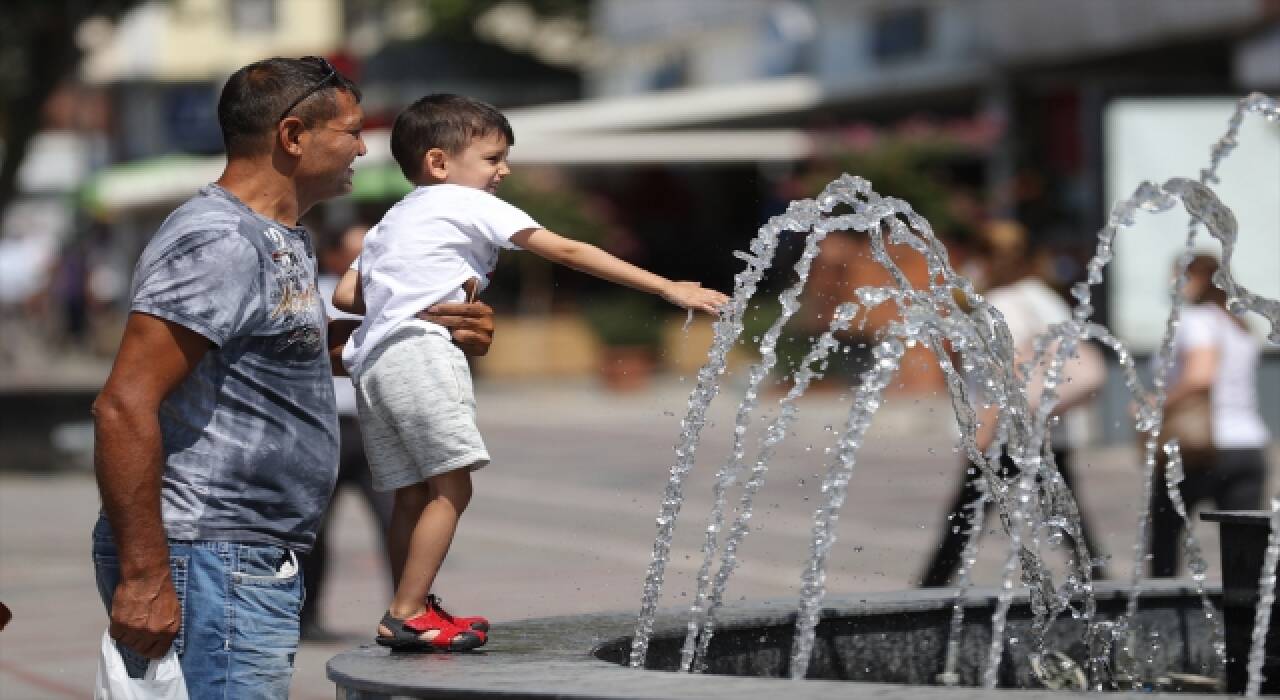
{"points": [[470, 324], [340, 330], [145, 615]]}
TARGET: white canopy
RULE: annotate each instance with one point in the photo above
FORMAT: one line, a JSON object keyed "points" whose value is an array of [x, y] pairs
{"points": [[652, 128]]}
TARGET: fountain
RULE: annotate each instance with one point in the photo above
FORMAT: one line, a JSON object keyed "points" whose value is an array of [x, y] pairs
{"points": [[1076, 634]]}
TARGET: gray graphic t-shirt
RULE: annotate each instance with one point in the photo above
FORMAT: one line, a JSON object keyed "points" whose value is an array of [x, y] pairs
{"points": [[250, 437]]}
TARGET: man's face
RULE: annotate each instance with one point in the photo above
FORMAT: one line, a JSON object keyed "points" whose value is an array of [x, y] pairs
{"points": [[481, 165], [331, 146]]}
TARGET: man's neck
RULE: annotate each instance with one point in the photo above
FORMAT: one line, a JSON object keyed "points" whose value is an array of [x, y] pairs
{"points": [[263, 189]]}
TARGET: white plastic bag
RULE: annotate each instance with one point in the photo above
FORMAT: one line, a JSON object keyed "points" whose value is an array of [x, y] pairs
{"points": [[162, 681]]}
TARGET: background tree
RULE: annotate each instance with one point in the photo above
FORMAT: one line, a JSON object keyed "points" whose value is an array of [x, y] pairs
{"points": [[38, 51]]}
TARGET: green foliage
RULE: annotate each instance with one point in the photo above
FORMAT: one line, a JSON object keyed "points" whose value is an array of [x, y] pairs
{"points": [[911, 169], [758, 318], [619, 317], [559, 207], [624, 318]]}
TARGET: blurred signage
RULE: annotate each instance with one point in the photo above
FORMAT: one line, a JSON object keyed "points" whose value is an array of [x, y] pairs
{"points": [[1159, 138]]}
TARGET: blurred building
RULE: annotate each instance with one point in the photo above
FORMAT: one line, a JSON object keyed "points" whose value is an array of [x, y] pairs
{"points": [[1037, 78], [1041, 68], [678, 127]]}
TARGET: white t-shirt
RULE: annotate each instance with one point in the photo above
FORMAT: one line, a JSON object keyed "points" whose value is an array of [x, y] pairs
{"points": [[1029, 307], [421, 253], [1233, 397]]}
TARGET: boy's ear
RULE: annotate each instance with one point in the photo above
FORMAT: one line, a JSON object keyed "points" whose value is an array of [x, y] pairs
{"points": [[435, 163]]}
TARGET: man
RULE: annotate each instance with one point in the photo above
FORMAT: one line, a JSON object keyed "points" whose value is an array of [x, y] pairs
{"points": [[216, 432]]}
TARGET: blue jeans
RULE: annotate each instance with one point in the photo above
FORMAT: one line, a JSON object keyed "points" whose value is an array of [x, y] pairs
{"points": [[240, 607]]}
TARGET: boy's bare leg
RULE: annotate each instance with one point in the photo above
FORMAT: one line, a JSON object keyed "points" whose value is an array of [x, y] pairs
{"points": [[406, 510], [439, 502]]}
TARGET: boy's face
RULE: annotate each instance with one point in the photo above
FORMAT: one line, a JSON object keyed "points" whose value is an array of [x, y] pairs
{"points": [[482, 164]]}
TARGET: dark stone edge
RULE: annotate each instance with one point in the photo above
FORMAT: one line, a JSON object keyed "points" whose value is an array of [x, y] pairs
{"points": [[1261, 518], [520, 663]]}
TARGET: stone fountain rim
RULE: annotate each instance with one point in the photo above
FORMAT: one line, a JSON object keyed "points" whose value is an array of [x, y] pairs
{"points": [[512, 666]]}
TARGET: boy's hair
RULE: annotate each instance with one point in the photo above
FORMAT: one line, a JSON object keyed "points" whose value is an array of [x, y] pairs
{"points": [[447, 122], [261, 94]]}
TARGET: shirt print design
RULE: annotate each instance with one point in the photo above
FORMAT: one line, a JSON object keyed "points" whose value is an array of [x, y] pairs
{"points": [[295, 302]]}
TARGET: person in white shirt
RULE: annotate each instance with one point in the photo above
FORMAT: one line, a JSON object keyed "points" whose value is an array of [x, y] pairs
{"points": [[1214, 352], [1029, 307], [413, 386]]}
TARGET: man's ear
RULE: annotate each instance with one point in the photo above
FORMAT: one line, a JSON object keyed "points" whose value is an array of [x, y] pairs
{"points": [[289, 133], [435, 162]]}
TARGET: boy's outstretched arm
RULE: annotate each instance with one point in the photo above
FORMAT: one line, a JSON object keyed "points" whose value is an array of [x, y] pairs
{"points": [[346, 296], [587, 258]]}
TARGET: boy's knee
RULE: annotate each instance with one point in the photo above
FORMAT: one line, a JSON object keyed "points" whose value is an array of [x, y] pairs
{"points": [[414, 496], [454, 486]]}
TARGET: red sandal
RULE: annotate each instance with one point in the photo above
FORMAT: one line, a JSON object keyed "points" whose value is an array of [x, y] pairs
{"points": [[406, 635], [476, 622]]}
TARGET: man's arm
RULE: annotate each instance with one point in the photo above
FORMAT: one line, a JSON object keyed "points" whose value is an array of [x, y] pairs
{"points": [[470, 323], [340, 330], [154, 357]]}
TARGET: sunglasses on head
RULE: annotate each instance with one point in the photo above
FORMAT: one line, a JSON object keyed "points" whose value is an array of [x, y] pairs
{"points": [[329, 75]]}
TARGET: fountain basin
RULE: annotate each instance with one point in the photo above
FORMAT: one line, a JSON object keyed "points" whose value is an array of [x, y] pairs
{"points": [[889, 645], [1244, 543]]}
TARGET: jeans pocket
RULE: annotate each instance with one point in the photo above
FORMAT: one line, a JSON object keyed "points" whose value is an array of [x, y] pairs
{"points": [[269, 578], [266, 593], [274, 567]]}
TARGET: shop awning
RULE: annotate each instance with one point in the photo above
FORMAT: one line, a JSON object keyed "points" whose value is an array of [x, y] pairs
{"points": [[151, 182], [652, 128], [169, 179]]}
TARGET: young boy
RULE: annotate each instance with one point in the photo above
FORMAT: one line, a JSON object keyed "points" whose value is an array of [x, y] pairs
{"points": [[413, 386]]}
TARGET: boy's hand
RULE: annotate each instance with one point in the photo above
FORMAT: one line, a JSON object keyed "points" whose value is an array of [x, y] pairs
{"points": [[470, 324], [691, 295]]}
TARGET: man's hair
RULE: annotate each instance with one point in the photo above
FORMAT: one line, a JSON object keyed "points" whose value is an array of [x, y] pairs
{"points": [[447, 122], [259, 95]]}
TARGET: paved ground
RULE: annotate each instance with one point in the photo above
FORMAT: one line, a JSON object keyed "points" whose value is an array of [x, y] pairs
{"points": [[562, 522]]}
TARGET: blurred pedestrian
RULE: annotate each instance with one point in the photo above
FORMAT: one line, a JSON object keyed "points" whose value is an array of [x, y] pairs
{"points": [[216, 434], [69, 287], [336, 255], [1213, 381], [1011, 260]]}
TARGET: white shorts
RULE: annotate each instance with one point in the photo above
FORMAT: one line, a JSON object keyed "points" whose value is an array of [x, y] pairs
{"points": [[417, 408]]}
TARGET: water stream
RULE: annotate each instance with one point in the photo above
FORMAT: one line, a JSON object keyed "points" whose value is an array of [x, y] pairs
{"points": [[951, 320]]}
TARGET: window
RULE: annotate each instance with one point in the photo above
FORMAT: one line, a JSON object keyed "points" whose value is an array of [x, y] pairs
{"points": [[899, 34]]}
